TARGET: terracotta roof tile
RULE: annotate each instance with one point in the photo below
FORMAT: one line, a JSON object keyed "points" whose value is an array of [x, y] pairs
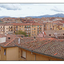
{"points": [[55, 54], [17, 24], [49, 46]]}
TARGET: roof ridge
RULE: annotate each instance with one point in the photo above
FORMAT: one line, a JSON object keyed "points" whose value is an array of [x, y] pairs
{"points": [[10, 41]]}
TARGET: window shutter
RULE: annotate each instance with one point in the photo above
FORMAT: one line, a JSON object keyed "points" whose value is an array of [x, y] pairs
{"points": [[24, 54]]}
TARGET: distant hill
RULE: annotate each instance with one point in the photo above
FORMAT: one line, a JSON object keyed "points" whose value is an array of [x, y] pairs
{"points": [[4, 16], [56, 15]]}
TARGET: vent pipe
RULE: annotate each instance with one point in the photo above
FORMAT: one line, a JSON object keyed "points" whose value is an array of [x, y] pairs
{"points": [[18, 40]]}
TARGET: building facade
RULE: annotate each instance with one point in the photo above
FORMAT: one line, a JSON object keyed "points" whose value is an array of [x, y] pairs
{"points": [[31, 29], [6, 29], [14, 48], [19, 54]]}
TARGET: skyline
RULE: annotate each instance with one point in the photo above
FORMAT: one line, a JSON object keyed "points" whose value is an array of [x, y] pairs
{"points": [[23, 10]]}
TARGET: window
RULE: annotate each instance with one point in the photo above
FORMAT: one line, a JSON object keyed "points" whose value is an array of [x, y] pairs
{"points": [[50, 28], [38, 26], [44, 25], [4, 51], [27, 29], [23, 54], [16, 26], [34, 31], [34, 28], [27, 26], [11, 26], [8, 37], [49, 34], [38, 31], [14, 31]]}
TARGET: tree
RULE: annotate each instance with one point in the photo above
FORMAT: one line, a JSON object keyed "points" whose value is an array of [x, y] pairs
{"points": [[20, 32]]}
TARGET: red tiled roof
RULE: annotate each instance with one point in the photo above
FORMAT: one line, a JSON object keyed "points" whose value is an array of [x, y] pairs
{"points": [[9, 42], [17, 24], [62, 21], [5, 24], [49, 46]]}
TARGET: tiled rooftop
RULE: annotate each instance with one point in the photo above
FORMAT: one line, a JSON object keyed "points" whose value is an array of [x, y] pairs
{"points": [[49, 46], [26, 24]]}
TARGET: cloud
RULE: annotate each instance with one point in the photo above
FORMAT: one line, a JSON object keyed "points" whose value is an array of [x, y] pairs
{"points": [[57, 9], [11, 6]]}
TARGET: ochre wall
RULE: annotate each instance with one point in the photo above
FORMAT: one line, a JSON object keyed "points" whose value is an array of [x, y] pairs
{"points": [[40, 57], [12, 53], [0, 54], [29, 56], [3, 57]]}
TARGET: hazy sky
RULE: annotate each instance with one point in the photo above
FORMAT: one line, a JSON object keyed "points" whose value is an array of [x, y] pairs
{"points": [[23, 10]]}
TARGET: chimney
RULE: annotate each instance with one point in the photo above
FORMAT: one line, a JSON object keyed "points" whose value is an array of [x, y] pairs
{"points": [[2, 39], [18, 40], [34, 38], [22, 37], [8, 37], [5, 34]]}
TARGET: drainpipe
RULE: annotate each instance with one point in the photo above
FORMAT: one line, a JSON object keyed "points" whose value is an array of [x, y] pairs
{"points": [[34, 54]]}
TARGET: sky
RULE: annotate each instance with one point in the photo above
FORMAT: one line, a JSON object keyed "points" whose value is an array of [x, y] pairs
{"points": [[24, 10]]}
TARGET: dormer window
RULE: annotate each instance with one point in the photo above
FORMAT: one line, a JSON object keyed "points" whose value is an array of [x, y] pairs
{"points": [[8, 37], [22, 36], [49, 34]]}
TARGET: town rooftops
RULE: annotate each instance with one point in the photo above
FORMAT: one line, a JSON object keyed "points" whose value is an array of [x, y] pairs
{"points": [[47, 46], [17, 24], [62, 21], [3, 24]]}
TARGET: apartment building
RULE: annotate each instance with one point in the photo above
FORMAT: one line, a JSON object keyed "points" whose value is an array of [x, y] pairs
{"points": [[55, 25], [35, 49], [31, 29], [48, 25], [6, 28]]}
